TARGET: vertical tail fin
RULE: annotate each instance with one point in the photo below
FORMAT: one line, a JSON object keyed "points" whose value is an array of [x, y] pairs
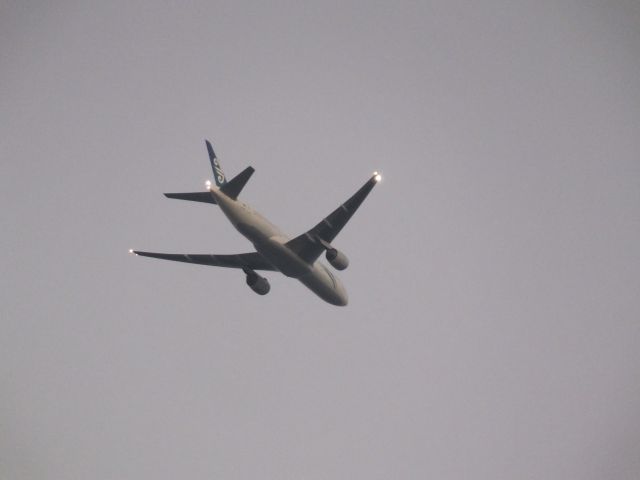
{"points": [[218, 174]]}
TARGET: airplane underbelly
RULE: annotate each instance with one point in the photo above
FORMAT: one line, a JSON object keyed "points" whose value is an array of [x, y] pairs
{"points": [[321, 282], [282, 258]]}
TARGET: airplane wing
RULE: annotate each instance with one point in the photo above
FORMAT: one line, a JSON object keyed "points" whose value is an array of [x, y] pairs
{"points": [[309, 246], [252, 260]]}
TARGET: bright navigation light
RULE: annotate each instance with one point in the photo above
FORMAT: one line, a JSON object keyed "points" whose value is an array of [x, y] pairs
{"points": [[377, 177]]}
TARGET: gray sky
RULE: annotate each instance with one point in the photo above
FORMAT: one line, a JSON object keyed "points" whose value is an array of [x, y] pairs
{"points": [[493, 329]]}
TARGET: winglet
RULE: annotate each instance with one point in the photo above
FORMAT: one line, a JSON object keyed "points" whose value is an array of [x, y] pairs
{"points": [[218, 174]]}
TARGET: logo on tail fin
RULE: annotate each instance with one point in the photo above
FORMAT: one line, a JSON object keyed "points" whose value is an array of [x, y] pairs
{"points": [[215, 165], [220, 180]]}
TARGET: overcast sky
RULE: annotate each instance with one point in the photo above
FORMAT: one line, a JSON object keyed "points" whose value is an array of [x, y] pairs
{"points": [[493, 330]]}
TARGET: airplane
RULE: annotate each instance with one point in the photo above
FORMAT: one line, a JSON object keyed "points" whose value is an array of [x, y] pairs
{"points": [[296, 258]]}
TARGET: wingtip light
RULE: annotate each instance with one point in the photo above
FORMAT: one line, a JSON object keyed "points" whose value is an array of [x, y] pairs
{"points": [[377, 177], [208, 184]]}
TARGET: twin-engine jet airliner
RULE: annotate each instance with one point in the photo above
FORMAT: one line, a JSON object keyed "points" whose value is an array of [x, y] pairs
{"points": [[296, 258]]}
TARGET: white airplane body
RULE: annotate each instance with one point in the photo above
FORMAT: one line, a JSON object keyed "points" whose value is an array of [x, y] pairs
{"points": [[296, 258]]}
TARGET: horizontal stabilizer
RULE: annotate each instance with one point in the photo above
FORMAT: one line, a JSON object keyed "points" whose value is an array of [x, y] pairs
{"points": [[234, 186], [204, 197]]}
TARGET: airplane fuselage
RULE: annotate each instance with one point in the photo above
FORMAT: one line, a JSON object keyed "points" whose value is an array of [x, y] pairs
{"points": [[270, 242], [274, 251]]}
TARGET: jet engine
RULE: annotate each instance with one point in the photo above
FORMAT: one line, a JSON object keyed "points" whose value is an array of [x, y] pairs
{"points": [[258, 284], [337, 259]]}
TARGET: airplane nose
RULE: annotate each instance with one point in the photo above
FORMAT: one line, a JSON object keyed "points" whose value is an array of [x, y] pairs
{"points": [[342, 298]]}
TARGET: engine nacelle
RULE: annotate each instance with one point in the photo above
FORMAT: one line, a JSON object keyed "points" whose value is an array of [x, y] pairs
{"points": [[258, 284], [337, 259]]}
